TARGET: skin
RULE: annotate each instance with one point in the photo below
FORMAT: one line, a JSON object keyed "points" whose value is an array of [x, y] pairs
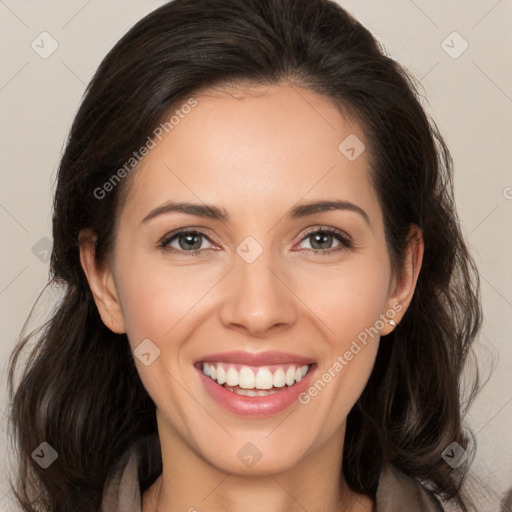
{"points": [[255, 153]]}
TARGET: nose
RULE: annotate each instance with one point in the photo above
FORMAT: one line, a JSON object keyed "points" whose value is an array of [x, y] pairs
{"points": [[258, 298]]}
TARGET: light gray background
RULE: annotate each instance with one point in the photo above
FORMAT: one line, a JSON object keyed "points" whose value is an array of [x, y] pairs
{"points": [[470, 97]]}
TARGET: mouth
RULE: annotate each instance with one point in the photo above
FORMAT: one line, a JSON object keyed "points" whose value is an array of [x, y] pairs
{"points": [[255, 391], [254, 381]]}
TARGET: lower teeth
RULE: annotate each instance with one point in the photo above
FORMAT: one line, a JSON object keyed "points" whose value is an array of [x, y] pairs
{"points": [[251, 392]]}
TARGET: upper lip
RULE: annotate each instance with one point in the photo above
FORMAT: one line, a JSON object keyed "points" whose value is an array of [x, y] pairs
{"points": [[255, 359]]}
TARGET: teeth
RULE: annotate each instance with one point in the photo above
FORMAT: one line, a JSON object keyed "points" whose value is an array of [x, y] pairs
{"points": [[250, 378], [279, 378], [266, 393], [264, 379], [231, 377], [251, 392], [246, 378], [290, 376], [221, 375]]}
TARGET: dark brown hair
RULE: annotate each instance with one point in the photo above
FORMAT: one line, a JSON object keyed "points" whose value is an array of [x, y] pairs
{"points": [[80, 390]]}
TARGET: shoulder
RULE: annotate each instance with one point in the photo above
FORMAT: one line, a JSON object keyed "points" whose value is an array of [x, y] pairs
{"points": [[122, 491], [397, 491]]}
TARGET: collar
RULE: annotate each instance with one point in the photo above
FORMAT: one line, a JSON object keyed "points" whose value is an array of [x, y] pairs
{"points": [[396, 492]]}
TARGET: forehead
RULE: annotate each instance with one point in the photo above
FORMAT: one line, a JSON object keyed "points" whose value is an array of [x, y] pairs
{"points": [[258, 146]]}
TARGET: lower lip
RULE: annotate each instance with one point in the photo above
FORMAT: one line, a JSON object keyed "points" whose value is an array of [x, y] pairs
{"points": [[256, 406]]}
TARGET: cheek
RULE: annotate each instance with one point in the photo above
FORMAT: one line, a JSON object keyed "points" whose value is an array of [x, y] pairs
{"points": [[353, 335], [338, 386], [157, 299], [350, 304], [161, 305], [348, 298]]}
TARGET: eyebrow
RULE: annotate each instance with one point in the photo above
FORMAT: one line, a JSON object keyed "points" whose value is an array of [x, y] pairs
{"points": [[212, 212], [321, 206], [199, 210]]}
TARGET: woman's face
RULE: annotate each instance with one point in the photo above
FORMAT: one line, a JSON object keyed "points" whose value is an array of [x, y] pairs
{"points": [[256, 281]]}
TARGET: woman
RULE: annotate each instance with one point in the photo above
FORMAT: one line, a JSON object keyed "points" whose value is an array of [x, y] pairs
{"points": [[268, 299]]}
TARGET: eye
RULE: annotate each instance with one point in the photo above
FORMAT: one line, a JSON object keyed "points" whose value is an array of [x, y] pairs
{"points": [[189, 241], [322, 240]]}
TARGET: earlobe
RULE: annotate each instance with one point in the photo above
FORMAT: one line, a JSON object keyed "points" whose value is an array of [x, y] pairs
{"points": [[403, 285], [101, 283]]}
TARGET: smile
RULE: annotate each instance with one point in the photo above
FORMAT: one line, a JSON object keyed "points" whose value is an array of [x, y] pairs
{"points": [[254, 391], [254, 381]]}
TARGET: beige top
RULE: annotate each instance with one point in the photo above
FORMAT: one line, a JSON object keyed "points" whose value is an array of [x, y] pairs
{"points": [[396, 492]]}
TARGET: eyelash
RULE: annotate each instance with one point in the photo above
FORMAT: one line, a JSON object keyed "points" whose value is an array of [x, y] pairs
{"points": [[336, 233]]}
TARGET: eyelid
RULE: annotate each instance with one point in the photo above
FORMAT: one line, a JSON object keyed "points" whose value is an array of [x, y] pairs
{"points": [[167, 238], [341, 236]]}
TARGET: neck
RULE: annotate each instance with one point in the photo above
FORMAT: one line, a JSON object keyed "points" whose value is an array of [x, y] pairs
{"points": [[156, 499], [191, 483]]}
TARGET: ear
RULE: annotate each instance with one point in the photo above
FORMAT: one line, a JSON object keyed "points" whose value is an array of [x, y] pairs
{"points": [[101, 283], [403, 285]]}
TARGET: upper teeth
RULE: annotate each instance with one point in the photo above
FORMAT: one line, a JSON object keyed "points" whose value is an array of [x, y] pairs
{"points": [[248, 377]]}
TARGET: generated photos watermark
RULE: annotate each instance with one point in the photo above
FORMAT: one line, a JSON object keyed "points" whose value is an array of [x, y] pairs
{"points": [[158, 133], [343, 360]]}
